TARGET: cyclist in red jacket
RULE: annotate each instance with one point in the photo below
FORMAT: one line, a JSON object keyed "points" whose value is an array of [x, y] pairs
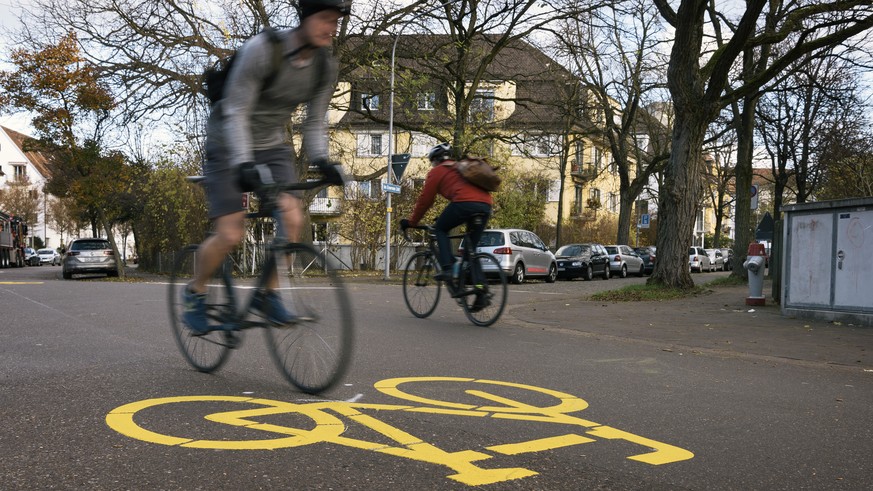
{"points": [[466, 200]]}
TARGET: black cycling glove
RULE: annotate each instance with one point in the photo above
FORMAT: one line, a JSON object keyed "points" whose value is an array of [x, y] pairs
{"points": [[253, 176], [332, 172]]}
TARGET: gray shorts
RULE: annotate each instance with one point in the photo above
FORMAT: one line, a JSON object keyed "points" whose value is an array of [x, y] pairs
{"points": [[223, 193]]}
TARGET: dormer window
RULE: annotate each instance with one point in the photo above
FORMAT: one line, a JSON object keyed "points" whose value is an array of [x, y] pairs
{"points": [[426, 101], [369, 102]]}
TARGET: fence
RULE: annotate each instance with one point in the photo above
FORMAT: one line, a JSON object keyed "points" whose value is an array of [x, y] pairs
{"points": [[247, 259]]}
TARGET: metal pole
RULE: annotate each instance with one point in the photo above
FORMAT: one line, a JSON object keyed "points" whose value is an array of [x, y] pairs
{"points": [[391, 138]]}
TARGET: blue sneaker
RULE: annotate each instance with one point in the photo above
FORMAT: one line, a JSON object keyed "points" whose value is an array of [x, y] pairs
{"points": [[194, 314], [270, 304]]}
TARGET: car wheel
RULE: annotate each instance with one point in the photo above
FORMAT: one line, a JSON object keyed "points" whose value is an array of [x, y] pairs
{"points": [[66, 275], [642, 270], [623, 273], [606, 272], [518, 274], [588, 274], [553, 274]]}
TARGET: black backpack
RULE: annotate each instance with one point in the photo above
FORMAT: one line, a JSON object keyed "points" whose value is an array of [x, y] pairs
{"points": [[214, 77]]}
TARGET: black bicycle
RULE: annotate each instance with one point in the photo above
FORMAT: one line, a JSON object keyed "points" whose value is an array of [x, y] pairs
{"points": [[481, 300], [312, 349]]}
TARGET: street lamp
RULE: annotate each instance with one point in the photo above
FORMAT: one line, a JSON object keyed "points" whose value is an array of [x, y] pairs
{"points": [[391, 136]]}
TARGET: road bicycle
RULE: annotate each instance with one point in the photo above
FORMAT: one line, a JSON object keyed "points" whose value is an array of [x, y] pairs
{"points": [[312, 350], [482, 301]]}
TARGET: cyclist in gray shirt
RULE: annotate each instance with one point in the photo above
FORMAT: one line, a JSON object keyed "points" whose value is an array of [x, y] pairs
{"points": [[246, 145]]}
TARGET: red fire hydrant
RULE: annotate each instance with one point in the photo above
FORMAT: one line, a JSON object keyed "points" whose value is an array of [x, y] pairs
{"points": [[755, 264]]}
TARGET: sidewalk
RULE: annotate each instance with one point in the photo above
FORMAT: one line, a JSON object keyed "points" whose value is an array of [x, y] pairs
{"points": [[717, 322]]}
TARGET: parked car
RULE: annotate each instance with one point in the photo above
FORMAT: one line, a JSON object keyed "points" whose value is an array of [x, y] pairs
{"points": [[728, 255], [49, 256], [698, 260], [89, 256], [716, 258], [647, 254], [582, 261], [521, 254], [31, 258], [623, 260]]}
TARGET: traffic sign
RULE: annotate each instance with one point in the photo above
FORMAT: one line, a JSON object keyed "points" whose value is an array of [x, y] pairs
{"points": [[398, 164], [644, 220], [754, 197], [391, 188]]}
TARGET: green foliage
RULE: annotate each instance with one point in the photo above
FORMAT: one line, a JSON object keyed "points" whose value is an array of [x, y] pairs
{"points": [[173, 212], [602, 229], [521, 200], [636, 293]]}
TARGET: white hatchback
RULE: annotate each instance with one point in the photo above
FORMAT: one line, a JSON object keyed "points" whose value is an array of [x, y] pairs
{"points": [[49, 256]]}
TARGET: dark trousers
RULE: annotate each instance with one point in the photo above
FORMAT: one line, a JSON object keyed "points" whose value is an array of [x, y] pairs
{"points": [[454, 215]]}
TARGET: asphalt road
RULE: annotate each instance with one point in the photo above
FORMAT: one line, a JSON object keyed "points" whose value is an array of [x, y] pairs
{"points": [[95, 395]]}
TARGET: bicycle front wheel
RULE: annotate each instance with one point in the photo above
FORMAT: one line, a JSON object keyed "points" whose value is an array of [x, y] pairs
{"points": [[205, 352], [485, 302], [314, 349], [421, 291]]}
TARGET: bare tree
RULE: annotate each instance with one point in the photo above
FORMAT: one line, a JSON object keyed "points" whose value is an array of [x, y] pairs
{"points": [[699, 92], [615, 51], [819, 93]]}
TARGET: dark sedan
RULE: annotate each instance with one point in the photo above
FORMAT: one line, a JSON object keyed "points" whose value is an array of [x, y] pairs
{"points": [[582, 261], [648, 255]]}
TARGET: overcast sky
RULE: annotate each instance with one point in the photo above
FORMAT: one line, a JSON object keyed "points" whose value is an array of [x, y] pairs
{"points": [[8, 20]]}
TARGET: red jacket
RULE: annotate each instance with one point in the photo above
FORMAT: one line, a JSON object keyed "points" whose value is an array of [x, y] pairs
{"points": [[446, 181]]}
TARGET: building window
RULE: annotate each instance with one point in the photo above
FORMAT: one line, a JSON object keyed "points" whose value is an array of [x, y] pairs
{"points": [[598, 159], [426, 101], [363, 189], [580, 152], [554, 190], [613, 202], [421, 144], [482, 105], [578, 200], [536, 145], [369, 102], [19, 172], [371, 145]]}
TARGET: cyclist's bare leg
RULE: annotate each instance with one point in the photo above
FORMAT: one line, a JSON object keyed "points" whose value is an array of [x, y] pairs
{"points": [[291, 214], [228, 232]]}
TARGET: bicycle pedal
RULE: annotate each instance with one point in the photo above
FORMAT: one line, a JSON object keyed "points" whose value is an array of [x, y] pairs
{"points": [[231, 340]]}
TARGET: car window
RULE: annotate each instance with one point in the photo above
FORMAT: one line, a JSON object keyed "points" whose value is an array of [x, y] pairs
{"points": [[569, 250], [89, 245], [692, 251], [535, 241], [611, 250], [45, 251], [491, 239]]}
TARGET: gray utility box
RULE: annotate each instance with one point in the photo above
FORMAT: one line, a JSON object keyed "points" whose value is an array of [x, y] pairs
{"points": [[828, 261]]}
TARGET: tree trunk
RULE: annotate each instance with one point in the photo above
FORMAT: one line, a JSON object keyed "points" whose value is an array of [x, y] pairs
{"points": [[679, 200], [743, 204], [111, 238], [625, 211]]}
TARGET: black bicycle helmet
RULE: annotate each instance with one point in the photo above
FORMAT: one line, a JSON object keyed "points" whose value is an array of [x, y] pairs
{"points": [[439, 153], [309, 7]]}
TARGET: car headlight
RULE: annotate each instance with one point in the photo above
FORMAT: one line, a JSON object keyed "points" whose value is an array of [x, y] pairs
{"points": [[576, 263]]}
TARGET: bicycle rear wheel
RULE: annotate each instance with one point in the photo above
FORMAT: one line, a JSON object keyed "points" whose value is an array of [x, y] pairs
{"points": [[205, 352], [421, 291], [483, 309], [314, 350]]}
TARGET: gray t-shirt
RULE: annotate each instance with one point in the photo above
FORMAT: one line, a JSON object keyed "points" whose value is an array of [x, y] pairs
{"points": [[245, 119]]}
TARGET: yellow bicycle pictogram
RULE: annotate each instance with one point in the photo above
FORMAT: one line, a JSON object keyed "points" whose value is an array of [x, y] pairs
{"points": [[327, 421]]}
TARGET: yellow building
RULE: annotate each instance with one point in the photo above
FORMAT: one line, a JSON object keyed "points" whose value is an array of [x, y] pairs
{"points": [[520, 117]]}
